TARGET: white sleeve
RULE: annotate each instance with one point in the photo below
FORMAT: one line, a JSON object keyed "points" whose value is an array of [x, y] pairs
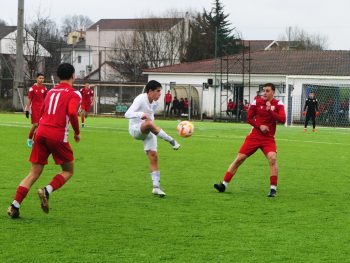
{"points": [[133, 112]]}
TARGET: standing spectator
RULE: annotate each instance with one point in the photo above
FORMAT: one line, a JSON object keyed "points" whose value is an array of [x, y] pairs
{"points": [[167, 99], [175, 107], [36, 96], [311, 111], [181, 106], [245, 110], [230, 107], [186, 106], [257, 95]]}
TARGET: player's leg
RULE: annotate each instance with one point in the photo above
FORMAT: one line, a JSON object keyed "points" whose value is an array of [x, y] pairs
{"points": [[231, 171], [63, 155], [148, 126], [23, 189], [82, 117], [313, 118], [31, 135], [150, 148], [271, 157], [307, 119]]}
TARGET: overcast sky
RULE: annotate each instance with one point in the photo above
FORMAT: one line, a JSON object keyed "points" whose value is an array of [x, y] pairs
{"points": [[254, 19]]}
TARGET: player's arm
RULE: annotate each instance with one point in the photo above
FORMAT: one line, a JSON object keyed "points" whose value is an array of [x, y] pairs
{"points": [[133, 112], [280, 115], [73, 116], [30, 97], [251, 115]]}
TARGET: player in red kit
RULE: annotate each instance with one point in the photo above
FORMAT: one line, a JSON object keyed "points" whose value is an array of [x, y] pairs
{"points": [[87, 101], [263, 114], [36, 98], [60, 107]]}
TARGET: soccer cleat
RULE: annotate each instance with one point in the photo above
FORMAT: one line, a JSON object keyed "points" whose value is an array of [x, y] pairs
{"points": [[220, 187], [175, 145], [272, 193], [44, 198], [305, 130], [82, 125], [314, 130], [159, 192], [13, 211], [30, 143]]}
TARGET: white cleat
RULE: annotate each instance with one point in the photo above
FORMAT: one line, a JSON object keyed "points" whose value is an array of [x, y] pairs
{"points": [[175, 145], [159, 192]]}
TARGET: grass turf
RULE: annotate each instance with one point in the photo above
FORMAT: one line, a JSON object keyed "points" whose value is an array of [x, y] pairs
{"points": [[106, 212]]}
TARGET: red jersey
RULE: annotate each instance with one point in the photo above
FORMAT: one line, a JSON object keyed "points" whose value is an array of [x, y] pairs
{"points": [[60, 107], [258, 115], [87, 95], [37, 95], [168, 98]]}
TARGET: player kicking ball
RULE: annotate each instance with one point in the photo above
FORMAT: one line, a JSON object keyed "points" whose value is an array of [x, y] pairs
{"points": [[60, 107], [263, 114], [141, 127]]}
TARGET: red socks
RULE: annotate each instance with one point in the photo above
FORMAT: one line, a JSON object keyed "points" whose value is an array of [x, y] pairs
{"points": [[57, 182], [228, 177], [21, 193], [82, 119], [273, 180]]}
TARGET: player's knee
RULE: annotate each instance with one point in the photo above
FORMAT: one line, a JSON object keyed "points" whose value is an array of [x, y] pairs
{"points": [[272, 159]]}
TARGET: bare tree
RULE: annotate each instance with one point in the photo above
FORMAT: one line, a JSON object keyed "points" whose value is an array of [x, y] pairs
{"points": [[3, 22], [75, 23], [299, 39]]}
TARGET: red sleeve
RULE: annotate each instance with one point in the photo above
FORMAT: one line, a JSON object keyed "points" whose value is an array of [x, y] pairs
{"points": [[30, 93], [73, 114], [280, 116], [251, 117]]}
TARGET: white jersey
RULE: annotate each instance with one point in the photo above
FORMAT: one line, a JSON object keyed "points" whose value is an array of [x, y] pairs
{"points": [[140, 106]]}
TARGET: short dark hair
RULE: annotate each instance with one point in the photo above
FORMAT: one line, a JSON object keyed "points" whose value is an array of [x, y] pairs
{"points": [[40, 74], [271, 85], [152, 85], [65, 71]]}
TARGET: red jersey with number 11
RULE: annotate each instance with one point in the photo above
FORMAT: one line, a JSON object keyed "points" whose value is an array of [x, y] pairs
{"points": [[60, 107]]}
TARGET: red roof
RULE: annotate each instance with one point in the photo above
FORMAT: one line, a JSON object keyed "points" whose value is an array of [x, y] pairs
{"points": [[330, 62]]}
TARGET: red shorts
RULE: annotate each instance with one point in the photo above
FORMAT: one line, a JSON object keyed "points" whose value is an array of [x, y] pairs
{"points": [[86, 107], [43, 147], [254, 142], [35, 116]]}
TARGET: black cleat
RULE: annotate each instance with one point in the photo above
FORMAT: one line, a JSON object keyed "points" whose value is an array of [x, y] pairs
{"points": [[272, 193], [220, 187], [13, 211]]}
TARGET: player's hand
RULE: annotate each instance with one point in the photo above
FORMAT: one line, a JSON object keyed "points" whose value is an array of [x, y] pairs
{"points": [[264, 129], [77, 137], [27, 114], [268, 105], [317, 113]]}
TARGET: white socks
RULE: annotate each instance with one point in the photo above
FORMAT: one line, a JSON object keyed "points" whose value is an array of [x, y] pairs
{"points": [[162, 134], [49, 189], [155, 178], [16, 204]]}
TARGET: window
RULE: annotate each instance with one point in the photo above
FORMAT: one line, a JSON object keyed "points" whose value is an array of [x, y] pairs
{"points": [[79, 59]]}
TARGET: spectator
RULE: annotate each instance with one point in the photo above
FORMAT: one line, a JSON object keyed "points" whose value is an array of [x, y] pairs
{"points": [[186, 106], [230, 107], [181, 106], [175, 107], [167, 99]]}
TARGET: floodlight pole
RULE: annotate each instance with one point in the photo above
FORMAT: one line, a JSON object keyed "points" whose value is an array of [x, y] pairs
{"points": [[18, 76]]}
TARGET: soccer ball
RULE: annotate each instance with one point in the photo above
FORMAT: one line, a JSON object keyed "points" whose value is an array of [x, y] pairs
{"points": [[185, 128]]}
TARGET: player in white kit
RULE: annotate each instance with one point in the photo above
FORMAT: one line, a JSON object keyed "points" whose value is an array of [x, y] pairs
{"points": [[141, 127]]}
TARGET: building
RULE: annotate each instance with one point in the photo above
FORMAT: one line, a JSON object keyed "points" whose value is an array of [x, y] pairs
{"points": [[212, 82]]}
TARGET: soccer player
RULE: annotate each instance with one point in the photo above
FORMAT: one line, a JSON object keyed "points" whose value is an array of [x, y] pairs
{"points": [[36, 98], [60, 107], [87, 101], [142, 127], [263, 114], [311, 111]]}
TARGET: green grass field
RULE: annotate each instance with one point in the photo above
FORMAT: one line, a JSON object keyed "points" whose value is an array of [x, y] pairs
{"points": [[106, 212]]}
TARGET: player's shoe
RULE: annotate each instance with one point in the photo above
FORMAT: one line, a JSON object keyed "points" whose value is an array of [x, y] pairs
{"points": [[159, 192], [82, 125], [305, 130], [272, 193], [44, 199], [314, 130], [13, 211], [30, 143], [220, 187], [175, 145]]}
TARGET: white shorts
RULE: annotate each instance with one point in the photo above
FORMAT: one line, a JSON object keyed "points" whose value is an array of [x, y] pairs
{"points": [[149, 140]]}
